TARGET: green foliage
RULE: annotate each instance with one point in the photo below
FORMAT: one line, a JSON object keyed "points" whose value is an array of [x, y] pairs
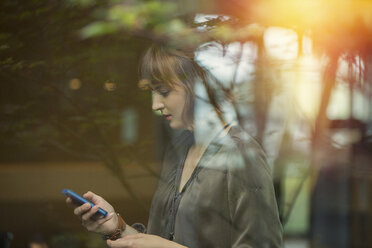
{"points": [[128, 16], [98, 28], [165, 21]]}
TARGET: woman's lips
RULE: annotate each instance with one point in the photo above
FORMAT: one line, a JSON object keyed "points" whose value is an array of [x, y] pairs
{"points": [[168, 117]]}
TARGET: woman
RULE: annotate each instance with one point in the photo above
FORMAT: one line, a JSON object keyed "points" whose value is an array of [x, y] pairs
{"points": [[215, 189]]}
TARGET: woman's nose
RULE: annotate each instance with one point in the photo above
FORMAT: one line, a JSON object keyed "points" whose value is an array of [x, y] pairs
{"points": [[157, 104]]}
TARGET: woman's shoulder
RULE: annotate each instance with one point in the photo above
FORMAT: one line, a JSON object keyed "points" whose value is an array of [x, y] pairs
{"points": [[238, 139], [245, 156], [241, 137]]}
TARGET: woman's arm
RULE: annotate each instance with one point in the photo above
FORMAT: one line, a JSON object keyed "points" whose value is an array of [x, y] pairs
{"points": [[141, 240]]}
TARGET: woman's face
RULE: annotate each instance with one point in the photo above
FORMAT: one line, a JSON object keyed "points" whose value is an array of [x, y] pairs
{"points": [[171, 103]]}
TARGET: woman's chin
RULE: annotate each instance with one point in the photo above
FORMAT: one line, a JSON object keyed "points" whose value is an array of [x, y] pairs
{"points": [[176, 125]]}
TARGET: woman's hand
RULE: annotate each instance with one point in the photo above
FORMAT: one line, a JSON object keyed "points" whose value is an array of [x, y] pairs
{"points": [[143, 241], [86, 213]]}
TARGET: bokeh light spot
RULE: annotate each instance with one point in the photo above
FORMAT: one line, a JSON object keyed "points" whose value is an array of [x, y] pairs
{"points": [[75, 84], [109, 85]]}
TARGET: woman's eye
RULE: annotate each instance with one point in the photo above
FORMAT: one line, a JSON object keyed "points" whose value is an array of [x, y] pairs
{"points": [[164, 93]]}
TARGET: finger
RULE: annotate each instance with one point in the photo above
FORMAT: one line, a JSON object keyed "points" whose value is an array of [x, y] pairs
{"points": [[82, 209], [69, 202], [92, 197], [101, 220], [88, 215], [133, 236], [120, 243], [130, 240]]}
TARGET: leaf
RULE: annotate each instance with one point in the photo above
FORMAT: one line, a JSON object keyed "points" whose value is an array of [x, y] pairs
{"points": [[82, 3], [98, 28]]}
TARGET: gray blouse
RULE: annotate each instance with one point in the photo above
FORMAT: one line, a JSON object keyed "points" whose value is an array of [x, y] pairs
{"points": [[228, 201]]}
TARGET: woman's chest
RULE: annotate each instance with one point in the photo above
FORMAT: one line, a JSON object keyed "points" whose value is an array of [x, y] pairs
{"points": [[206, 190]]}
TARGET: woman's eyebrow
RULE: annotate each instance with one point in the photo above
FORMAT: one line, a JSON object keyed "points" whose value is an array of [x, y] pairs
{"points": [[156, 88]]}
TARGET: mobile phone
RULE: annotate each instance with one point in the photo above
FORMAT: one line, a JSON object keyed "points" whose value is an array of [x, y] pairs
{"points": [[81, 200]]}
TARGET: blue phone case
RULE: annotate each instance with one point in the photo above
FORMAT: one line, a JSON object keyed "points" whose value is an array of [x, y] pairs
{"points": [[81, 200]]}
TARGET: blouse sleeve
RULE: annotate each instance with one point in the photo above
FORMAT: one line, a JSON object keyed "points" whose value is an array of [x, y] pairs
{"points": [[141, 228], [252, 204]]}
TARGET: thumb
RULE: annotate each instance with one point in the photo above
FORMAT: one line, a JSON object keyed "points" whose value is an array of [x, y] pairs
{"points": [[92, 197]]}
